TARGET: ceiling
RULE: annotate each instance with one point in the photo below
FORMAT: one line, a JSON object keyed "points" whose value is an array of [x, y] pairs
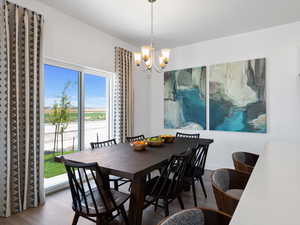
{"points": [[179, 22]]}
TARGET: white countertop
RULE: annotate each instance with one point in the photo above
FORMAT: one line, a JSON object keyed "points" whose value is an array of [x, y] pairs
{"points": [[272, 195]]}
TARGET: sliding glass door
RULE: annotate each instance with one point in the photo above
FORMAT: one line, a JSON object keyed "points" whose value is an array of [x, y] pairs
{"points": [[60, 116], [76, 112], [96, 126]]}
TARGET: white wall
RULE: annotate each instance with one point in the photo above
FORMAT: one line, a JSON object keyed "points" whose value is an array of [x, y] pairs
{"points": [[281, 47], [68, 39]]}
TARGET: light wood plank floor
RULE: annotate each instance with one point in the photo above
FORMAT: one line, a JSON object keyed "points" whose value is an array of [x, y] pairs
{"points": [[57, 209]]}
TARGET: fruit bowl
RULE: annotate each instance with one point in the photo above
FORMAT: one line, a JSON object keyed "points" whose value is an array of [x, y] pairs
{"points": [[154, 141], [168, 138], [138, 145]]}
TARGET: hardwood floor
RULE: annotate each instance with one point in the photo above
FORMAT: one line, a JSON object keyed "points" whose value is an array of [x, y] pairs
{"points": [[57, 209]]}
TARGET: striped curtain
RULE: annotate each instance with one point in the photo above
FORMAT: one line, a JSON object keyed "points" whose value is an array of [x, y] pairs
{"points": [[123, 95], [21, 155]]}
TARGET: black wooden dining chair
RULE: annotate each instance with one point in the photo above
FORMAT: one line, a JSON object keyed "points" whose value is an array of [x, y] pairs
{"points": [[92, 199], [135, 138], [118, 181], [184, 135], [102, 144], [169, 185], [196, 169]]}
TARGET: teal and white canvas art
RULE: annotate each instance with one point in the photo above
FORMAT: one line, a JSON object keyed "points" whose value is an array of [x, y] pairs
{"points": [[237, 96], [185, 99]]}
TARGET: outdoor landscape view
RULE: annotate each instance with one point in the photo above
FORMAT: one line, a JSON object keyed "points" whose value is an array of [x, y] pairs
{"points": [[62, 114]]}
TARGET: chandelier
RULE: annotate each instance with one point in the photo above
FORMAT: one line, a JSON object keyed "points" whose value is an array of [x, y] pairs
{"points": [[146, 58]]}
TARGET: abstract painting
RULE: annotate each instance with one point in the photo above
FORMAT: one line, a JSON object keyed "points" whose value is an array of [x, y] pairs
{"points": [[185, 99], [237, 96]]}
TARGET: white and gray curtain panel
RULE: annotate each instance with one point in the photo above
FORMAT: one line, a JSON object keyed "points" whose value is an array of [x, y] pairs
{"points": [[21, 155], [123, 95]]}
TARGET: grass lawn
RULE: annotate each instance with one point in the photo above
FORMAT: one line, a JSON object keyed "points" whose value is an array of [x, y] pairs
{"points": [[53, 168]]}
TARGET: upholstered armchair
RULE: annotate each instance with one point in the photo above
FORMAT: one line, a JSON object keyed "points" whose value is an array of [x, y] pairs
{"points": [[244, 161], [197, 216], [228, 186]]}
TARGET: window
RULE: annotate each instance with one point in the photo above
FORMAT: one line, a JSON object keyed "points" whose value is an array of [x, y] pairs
{"points": [[77, 103], [95, 109]]}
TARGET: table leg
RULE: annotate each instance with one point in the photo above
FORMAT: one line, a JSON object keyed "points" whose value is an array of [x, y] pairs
{"points": [[137, 201]]}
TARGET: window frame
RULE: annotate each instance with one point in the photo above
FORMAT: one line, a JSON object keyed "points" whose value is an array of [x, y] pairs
{"points": [[60, 182], [82, 70]]}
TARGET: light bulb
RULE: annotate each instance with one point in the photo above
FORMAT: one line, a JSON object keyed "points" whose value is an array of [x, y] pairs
{"points": [[137, 58], [148, 64], [165, 53], [146, 51], [162, 64]]}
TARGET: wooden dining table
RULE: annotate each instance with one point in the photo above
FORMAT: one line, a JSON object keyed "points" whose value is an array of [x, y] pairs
{"points": [[121, 160]]}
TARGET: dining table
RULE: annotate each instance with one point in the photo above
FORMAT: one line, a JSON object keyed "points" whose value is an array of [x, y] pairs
{"points": [[123, 161]]}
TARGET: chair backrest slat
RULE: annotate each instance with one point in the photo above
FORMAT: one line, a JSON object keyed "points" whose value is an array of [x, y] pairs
{"points": [[87, 185], [81, 187], [102, 144], [171, 178], [185, 135], [135, 138], [197, 165], [91, 191]]}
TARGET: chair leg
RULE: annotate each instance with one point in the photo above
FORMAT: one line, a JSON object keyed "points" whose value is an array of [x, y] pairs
{"points": [[124, 215], [203, 188], [101, 220], [180, 202], [116, 185], [194, 192], [75, 219], [166, 205], [98, 221], [156, 205]]}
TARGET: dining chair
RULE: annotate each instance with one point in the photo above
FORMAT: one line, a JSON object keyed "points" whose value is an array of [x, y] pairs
{"points": [[185, 135], [118, 181], [169, 184], [135, 138], [244, 161], [228, 186], [91, 198], [197, 216], [196, 169], [102, 144]]}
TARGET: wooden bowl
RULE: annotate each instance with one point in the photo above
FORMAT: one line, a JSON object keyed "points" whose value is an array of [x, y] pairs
{"points": [[154, 143], [138, 147], [168, 139]]}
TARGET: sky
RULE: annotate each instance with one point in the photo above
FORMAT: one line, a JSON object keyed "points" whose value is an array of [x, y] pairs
{"points": [[56, 79]]}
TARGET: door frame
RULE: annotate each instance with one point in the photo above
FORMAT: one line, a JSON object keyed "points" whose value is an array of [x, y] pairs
{"points": [[82, 70]]}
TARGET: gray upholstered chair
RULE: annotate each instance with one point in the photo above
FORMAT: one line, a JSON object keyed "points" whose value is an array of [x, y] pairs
{"points": [[197, 216], [228, 186], [244, 161]]}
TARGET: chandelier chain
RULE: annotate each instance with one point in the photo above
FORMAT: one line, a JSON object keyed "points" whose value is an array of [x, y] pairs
{"points": [[146, 58], [152, 29]]}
